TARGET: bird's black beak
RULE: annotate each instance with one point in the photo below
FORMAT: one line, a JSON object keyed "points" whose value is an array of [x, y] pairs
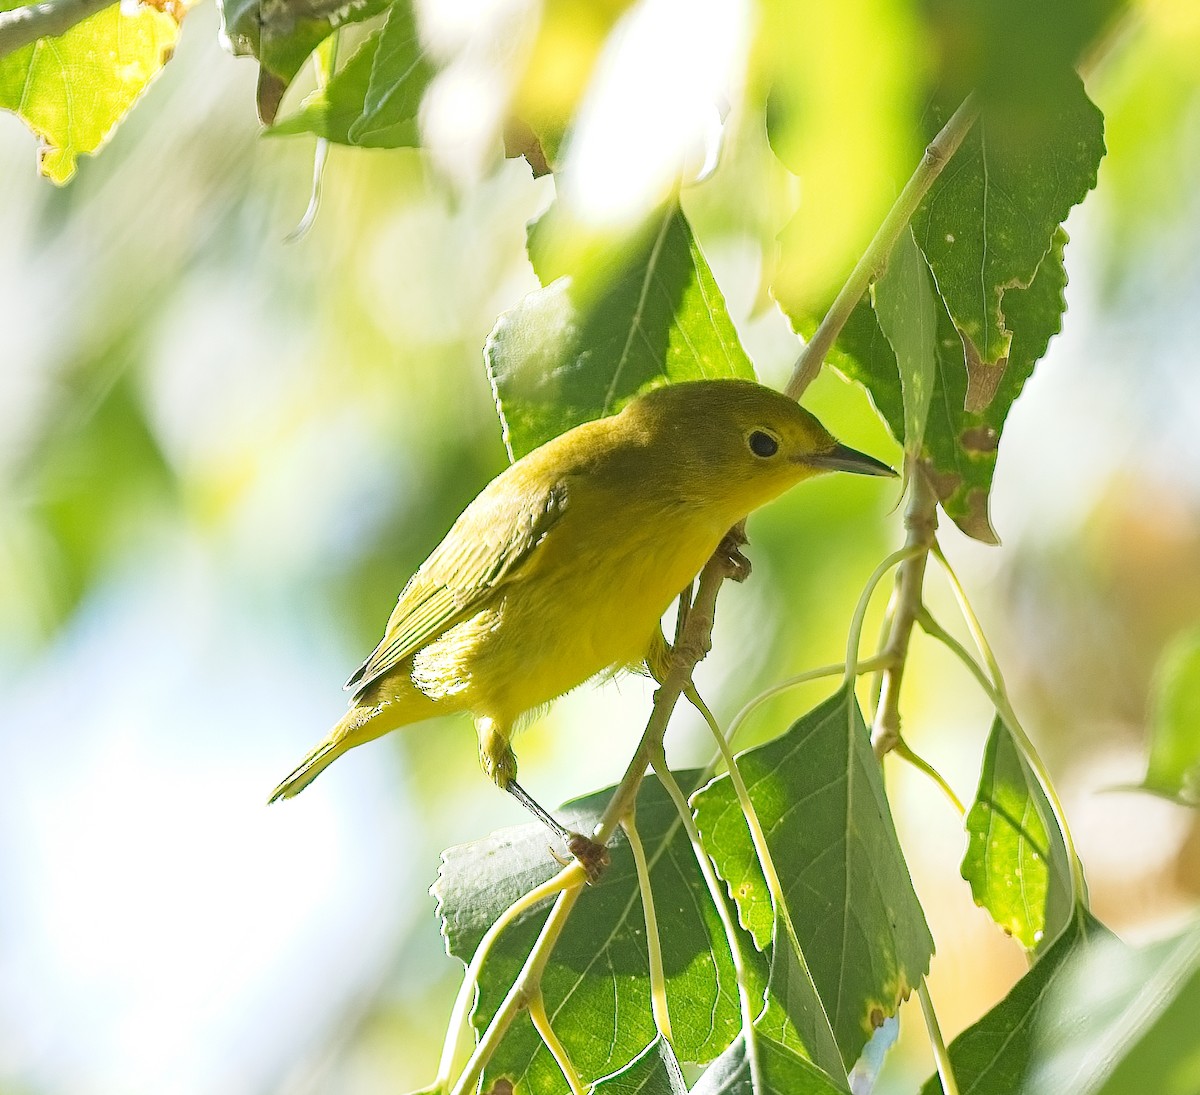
{"points": [[843, 458]]}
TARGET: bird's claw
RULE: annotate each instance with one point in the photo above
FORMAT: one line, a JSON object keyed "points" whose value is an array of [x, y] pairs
{"points": [[592, 856], [737, 565]]}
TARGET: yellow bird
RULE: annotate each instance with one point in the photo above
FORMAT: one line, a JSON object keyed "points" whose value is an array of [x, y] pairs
{"points": [[564, 564]]}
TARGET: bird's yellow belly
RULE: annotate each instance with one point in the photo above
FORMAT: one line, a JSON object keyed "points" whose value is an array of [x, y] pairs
{"points": [[533, 643]]}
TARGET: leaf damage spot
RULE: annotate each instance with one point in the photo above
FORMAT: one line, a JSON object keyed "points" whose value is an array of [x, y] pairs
{"points": [[974, 519], [945, 483], [983, 377], [979, 439]]}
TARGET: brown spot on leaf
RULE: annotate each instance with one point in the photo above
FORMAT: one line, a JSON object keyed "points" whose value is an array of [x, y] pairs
{"points": [[983, 377], [979, 439], [944, 483], [877, 1018], [974, 519], [502, 1086]]}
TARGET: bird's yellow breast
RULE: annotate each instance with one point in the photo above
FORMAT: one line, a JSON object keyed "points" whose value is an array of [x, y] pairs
{"points": [[584, 604]]}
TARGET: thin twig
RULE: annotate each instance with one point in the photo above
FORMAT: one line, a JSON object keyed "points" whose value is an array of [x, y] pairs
{"points": [[49, 19], [874, 258], [920, 518]]}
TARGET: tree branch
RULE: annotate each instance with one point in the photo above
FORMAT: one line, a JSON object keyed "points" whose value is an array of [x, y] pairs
{"points": [[48, 19], [920, 518], [874, 258]]}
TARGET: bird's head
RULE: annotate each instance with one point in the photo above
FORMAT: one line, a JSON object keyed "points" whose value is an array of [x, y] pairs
{"points": [[736, 443]]}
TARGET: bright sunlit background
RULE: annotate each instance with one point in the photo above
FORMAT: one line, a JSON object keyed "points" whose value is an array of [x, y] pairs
{"points": [[221, 455]]}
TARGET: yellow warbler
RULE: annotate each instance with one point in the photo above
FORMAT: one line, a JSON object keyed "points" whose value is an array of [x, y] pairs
{"points": [[564, 564]]}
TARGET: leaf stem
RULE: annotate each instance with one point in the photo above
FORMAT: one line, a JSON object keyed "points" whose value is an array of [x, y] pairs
{"points": [[20, 26], [874, 258], [869, 665], [758, 837], [696, 641], [905, 752], [717, 893], [541, 1022], [854, 637], [658, 979], [1008, 716], [940, 1054], [465, 1000]]}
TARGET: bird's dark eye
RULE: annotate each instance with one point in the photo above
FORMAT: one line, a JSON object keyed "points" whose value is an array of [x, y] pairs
{"points": [[763, 444]]}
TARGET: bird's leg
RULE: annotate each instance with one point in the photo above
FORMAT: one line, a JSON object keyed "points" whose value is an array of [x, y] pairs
{"points": [[499, 762]]}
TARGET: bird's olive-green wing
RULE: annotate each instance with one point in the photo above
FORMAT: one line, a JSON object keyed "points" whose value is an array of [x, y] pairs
{"points": [[487, 546]]}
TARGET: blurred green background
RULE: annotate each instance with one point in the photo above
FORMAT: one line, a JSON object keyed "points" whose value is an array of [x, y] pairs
{"points": [[221, 456]]}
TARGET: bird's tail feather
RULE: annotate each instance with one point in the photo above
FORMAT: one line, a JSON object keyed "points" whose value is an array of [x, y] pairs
{"points": [[309, 768], [359, 725]]}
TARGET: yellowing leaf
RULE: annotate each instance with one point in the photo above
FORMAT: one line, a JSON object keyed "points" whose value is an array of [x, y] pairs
{"points": [[73, 90]]}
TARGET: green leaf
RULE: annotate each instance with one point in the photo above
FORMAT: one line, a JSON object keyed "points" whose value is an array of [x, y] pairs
{"points": [[596, 986], [626, 319], [73, 90], [907, 311], [794, 1016], [763, 1067], [1123, 1022], [819, 795], [959, 447], [1174, 769], [655, 1071], [282, 33], [992, 1056], [990, 218], [373, 100], [1016, 859]]}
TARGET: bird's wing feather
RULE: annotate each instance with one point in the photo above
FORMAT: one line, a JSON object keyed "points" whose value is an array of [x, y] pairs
{"points": [[487, 546]]}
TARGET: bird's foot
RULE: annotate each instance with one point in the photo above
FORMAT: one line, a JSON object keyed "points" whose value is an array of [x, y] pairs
{"points": [[737, 565], [592, 856]]}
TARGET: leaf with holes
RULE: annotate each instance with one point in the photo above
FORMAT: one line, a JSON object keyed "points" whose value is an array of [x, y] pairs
{"points": [[959, 447], [990, 218], [631, 316]]}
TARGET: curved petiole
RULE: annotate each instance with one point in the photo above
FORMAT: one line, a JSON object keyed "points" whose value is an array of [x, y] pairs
{"points": [[541, 1022], [658, 979], [1033, 758], [465, 1000]]}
